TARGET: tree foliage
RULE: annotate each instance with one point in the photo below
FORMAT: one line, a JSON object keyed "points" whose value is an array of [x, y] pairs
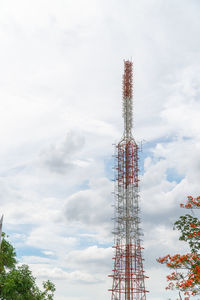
{"points": [[186, 268], [7, 255], [189, 227], [17, 281]]}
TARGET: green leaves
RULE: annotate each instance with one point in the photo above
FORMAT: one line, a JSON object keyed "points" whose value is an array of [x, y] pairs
{"points": [[49, 289], [190, 231], [7, 255], [17, 282]]}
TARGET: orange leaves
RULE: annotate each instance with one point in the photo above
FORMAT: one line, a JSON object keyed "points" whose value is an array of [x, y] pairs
{"points": [[193, 225], [180, 261], [191, 202], [189, 277], [186, 268], [194, 234], [164, 259]]}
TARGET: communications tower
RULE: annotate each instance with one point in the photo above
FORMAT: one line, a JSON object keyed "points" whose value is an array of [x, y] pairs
{"points": [[128, 275]]}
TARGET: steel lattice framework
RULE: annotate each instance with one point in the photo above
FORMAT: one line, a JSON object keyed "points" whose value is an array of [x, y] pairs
{"points": [[128, 275]]}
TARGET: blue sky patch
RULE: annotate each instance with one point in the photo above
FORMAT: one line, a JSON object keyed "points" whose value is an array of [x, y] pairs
{"points": [[173, 175], [29, 251]]}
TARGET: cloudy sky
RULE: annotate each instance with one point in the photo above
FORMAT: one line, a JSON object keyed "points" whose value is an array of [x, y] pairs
{"points": [[60, 94]]}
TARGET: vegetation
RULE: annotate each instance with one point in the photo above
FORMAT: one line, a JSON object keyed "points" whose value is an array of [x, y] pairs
{"points": [[186, 268], [17, 281]]}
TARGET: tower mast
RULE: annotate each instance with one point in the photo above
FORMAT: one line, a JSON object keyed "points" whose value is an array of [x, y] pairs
{"points": [[128, 275]]}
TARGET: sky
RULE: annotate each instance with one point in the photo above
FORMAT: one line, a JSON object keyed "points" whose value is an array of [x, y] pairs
{"points": [[61, 114]]}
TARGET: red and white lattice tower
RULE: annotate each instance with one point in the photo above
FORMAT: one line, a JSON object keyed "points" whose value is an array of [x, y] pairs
{"points": [[128, 275]]}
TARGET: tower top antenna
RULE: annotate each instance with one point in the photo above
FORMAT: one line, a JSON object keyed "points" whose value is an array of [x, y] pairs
{"points": [[127, 98], [128, 79]]}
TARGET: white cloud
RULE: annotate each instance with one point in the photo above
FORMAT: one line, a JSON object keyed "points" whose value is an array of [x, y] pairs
{"points": [[92, 259], [52, 238], [59, 158], [60, 91], [43, 271]]}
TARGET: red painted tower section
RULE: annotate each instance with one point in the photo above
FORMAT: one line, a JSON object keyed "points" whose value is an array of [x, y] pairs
{"points": [[128, 274]]}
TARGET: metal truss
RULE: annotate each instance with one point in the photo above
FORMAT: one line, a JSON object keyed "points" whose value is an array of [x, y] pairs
{"points": [[128, 275]]}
